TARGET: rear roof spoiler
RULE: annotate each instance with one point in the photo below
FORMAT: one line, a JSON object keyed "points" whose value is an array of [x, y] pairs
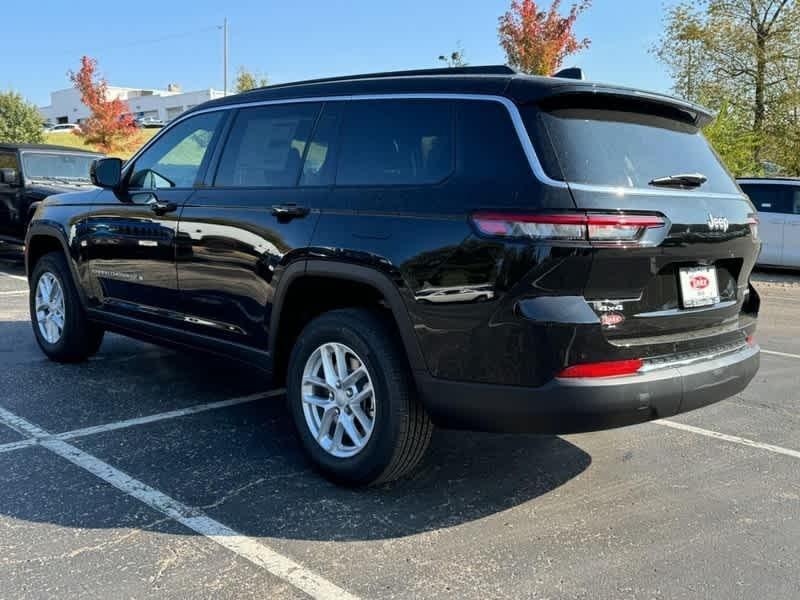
{"points": [[695, 113]]}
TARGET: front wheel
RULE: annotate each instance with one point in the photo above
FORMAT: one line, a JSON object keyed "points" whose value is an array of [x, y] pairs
{"points": [[352, 400], [60, 325]]}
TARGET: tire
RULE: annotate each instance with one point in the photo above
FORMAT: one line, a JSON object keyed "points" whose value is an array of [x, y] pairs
{"points": [[78, 338], [401, 429]]}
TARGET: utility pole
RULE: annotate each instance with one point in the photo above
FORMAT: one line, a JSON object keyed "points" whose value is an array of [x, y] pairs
{"points": [[225, 55]]}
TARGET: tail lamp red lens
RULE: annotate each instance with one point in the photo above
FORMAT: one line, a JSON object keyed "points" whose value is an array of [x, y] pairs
{"points": [[567, 227], [753, 222], [615, 368]]}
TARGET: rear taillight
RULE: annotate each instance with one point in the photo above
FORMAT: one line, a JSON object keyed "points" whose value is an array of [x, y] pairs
{"points": [[568, 227], [614, 368], [752, 221]]}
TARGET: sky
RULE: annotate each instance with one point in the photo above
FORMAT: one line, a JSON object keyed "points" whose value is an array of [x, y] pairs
{"points": [[151, 43]]}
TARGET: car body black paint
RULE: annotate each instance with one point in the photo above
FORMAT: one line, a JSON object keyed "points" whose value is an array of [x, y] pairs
{"points": [[18, 202], [476, 314]]}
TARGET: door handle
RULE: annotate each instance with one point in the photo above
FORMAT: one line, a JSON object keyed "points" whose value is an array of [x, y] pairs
{"points": [[161, 207], [289, 211]]}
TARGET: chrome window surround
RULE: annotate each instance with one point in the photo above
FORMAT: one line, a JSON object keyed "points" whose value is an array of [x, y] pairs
{"points": [[511, 107]]}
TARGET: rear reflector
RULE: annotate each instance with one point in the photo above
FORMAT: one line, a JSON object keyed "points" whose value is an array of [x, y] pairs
{"points": [[753, 222], [616, 368], [751, 341], [574, 227]]}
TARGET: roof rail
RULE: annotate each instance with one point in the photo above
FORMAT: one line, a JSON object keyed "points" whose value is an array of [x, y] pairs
{"points": [[481, 70]]}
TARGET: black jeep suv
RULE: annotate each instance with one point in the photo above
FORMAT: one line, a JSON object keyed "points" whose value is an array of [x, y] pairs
{"points": [[29, 173], [468, 247]]}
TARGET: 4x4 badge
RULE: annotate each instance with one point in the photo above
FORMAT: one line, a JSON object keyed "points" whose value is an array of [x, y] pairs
{"points": [[717, 223]]}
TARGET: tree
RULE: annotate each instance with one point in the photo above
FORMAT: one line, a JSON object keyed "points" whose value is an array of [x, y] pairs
{"points": [[734, 142], [245, 80], [538, 41], [683, 50], [455, 58], [20, 122], [741, 52], [110, 126]]}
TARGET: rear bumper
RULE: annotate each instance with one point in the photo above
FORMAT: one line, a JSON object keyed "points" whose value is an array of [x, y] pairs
{"points": [[572, 406]]}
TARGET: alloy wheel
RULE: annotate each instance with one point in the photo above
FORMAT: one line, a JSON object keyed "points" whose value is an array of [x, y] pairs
{"points": [[50, 309], [338, 400]]}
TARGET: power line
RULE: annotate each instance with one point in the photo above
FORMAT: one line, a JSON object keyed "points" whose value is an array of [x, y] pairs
{"points": [[158, 40]]}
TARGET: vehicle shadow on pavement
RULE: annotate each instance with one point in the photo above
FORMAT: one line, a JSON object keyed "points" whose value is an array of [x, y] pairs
{"points": [[242, 465], [12, 259]]}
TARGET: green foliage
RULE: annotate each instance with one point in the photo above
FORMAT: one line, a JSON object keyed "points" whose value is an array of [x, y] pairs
{"points": [[742, 57], [20, 122], [733, 140], [455, 58], [245, 80]]}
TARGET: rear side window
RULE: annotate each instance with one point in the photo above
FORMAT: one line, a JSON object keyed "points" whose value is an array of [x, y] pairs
{"points": [[396, 142], [319, 167], [266, 145], [489, 150], [622, 149], [8, 160], [767, 198]]}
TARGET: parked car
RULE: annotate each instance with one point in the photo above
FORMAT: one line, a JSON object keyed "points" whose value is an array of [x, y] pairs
{"points": [[778, 203], [62, 127], [469, 247], [149, 122], [31, 172]]}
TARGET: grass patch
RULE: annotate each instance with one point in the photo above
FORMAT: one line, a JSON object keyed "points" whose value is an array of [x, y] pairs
{"points": [[67, 138]]}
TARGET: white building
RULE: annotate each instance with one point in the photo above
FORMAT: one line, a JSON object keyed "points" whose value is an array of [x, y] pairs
{"points": [[66, 106]]}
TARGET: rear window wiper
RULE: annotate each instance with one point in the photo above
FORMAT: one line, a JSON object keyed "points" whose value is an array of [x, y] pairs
{"points": [[684, 180]]}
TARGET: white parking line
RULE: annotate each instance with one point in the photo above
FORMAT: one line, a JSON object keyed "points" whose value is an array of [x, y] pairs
{"points": [[172, 414], [14, 293], [729, 438], [783, 354], [771, 297], [248, 548], [19, 277], [10, 447]]}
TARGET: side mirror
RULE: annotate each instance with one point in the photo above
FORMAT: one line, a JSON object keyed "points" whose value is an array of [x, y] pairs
{"points": [[9, 177], [106, 172]]}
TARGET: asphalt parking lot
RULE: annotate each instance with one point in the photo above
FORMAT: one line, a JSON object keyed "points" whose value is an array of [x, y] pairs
{"points": [[146, 472]]}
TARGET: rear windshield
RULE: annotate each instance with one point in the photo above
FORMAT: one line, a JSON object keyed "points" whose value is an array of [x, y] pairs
{"points": [[622, 149]]}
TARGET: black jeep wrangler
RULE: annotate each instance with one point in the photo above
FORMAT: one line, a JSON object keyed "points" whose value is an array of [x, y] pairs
{"points": [[469, 247], [31, 172]]}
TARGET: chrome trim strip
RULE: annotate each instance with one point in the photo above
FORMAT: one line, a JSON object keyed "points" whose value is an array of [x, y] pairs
{"points": [[623, 191], [649, 368], [767, 181], [513, 111], [678, 311]]}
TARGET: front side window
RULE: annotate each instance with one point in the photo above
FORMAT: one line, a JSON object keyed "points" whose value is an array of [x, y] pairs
{"points": [[175, 158], [396, 142], [266, 146]]}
